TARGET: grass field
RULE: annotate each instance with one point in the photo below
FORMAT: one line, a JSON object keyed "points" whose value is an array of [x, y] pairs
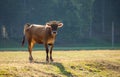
{"points": [[83, 63]]}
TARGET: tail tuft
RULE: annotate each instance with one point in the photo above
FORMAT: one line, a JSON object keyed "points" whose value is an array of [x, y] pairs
{"points": [[23, 41]]}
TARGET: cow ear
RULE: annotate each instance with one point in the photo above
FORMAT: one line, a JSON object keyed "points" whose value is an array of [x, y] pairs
{"points": [[60, 25], [47, 24]]}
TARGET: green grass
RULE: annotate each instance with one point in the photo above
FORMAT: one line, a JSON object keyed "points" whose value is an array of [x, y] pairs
{"points": [[84, 63]]}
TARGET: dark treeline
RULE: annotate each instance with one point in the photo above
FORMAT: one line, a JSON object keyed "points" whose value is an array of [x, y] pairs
{"points": [[86, 22]]}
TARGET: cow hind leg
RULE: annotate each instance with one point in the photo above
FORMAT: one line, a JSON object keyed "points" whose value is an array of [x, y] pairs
{"points": [[30, 51]]}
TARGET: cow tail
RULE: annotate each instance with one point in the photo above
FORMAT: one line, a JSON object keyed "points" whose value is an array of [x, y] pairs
{"points": [[25, 28], [23, 41]]}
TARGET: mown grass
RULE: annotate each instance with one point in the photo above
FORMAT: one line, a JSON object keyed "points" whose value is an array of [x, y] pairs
{"points": [[84, 63]]}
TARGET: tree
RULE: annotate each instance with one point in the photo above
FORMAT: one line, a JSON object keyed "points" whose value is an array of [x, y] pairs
{"points": [[4, 32]]}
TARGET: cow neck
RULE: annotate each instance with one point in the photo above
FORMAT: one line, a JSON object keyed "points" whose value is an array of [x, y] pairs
{"points": [[53, 35]]}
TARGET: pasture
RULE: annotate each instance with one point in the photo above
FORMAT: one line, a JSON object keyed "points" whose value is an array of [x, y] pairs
{"points": [[83, 63]]}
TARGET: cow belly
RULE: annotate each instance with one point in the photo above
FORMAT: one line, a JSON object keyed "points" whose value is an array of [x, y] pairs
{"points": [[39, 41]]}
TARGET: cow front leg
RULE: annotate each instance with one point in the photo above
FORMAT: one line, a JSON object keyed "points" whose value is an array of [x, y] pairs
{"points": [[47, 51], [51, 47]]}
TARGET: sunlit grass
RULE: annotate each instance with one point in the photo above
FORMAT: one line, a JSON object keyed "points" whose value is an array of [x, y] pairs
{"points": [[84, 63]]}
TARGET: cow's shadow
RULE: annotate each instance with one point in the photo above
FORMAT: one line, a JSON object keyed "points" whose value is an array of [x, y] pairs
{"points": [[59, 66]]}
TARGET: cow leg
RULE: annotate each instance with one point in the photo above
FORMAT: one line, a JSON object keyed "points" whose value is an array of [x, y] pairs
{"points": [[51, 47], [30, 51], [47, 51]]}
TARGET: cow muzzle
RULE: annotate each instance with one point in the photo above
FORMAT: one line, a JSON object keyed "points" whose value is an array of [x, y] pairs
{"points": [[54, 32]]}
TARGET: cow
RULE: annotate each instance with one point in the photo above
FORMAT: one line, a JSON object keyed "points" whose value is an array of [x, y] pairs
{"points": [[41, 34]]}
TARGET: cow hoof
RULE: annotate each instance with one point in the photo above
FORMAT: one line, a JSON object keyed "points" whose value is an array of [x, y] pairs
{"points": [[30, 59], [47, 62], [52, 60]]}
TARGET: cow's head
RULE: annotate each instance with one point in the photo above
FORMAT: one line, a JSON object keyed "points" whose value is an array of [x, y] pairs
{"points": [[54, 25]]}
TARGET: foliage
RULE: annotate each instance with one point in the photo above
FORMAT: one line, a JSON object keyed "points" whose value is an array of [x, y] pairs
{"points": [[82, 19]]}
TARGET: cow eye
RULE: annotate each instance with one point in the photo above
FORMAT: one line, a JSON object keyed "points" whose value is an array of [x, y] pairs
{"points": [[54, 27]]}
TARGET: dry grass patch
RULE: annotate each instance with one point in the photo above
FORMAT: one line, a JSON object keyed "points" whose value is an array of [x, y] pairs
{"points": [[84, 63]]}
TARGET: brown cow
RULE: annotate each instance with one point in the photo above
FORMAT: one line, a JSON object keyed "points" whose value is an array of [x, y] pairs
{"points": [[41, 34]]}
